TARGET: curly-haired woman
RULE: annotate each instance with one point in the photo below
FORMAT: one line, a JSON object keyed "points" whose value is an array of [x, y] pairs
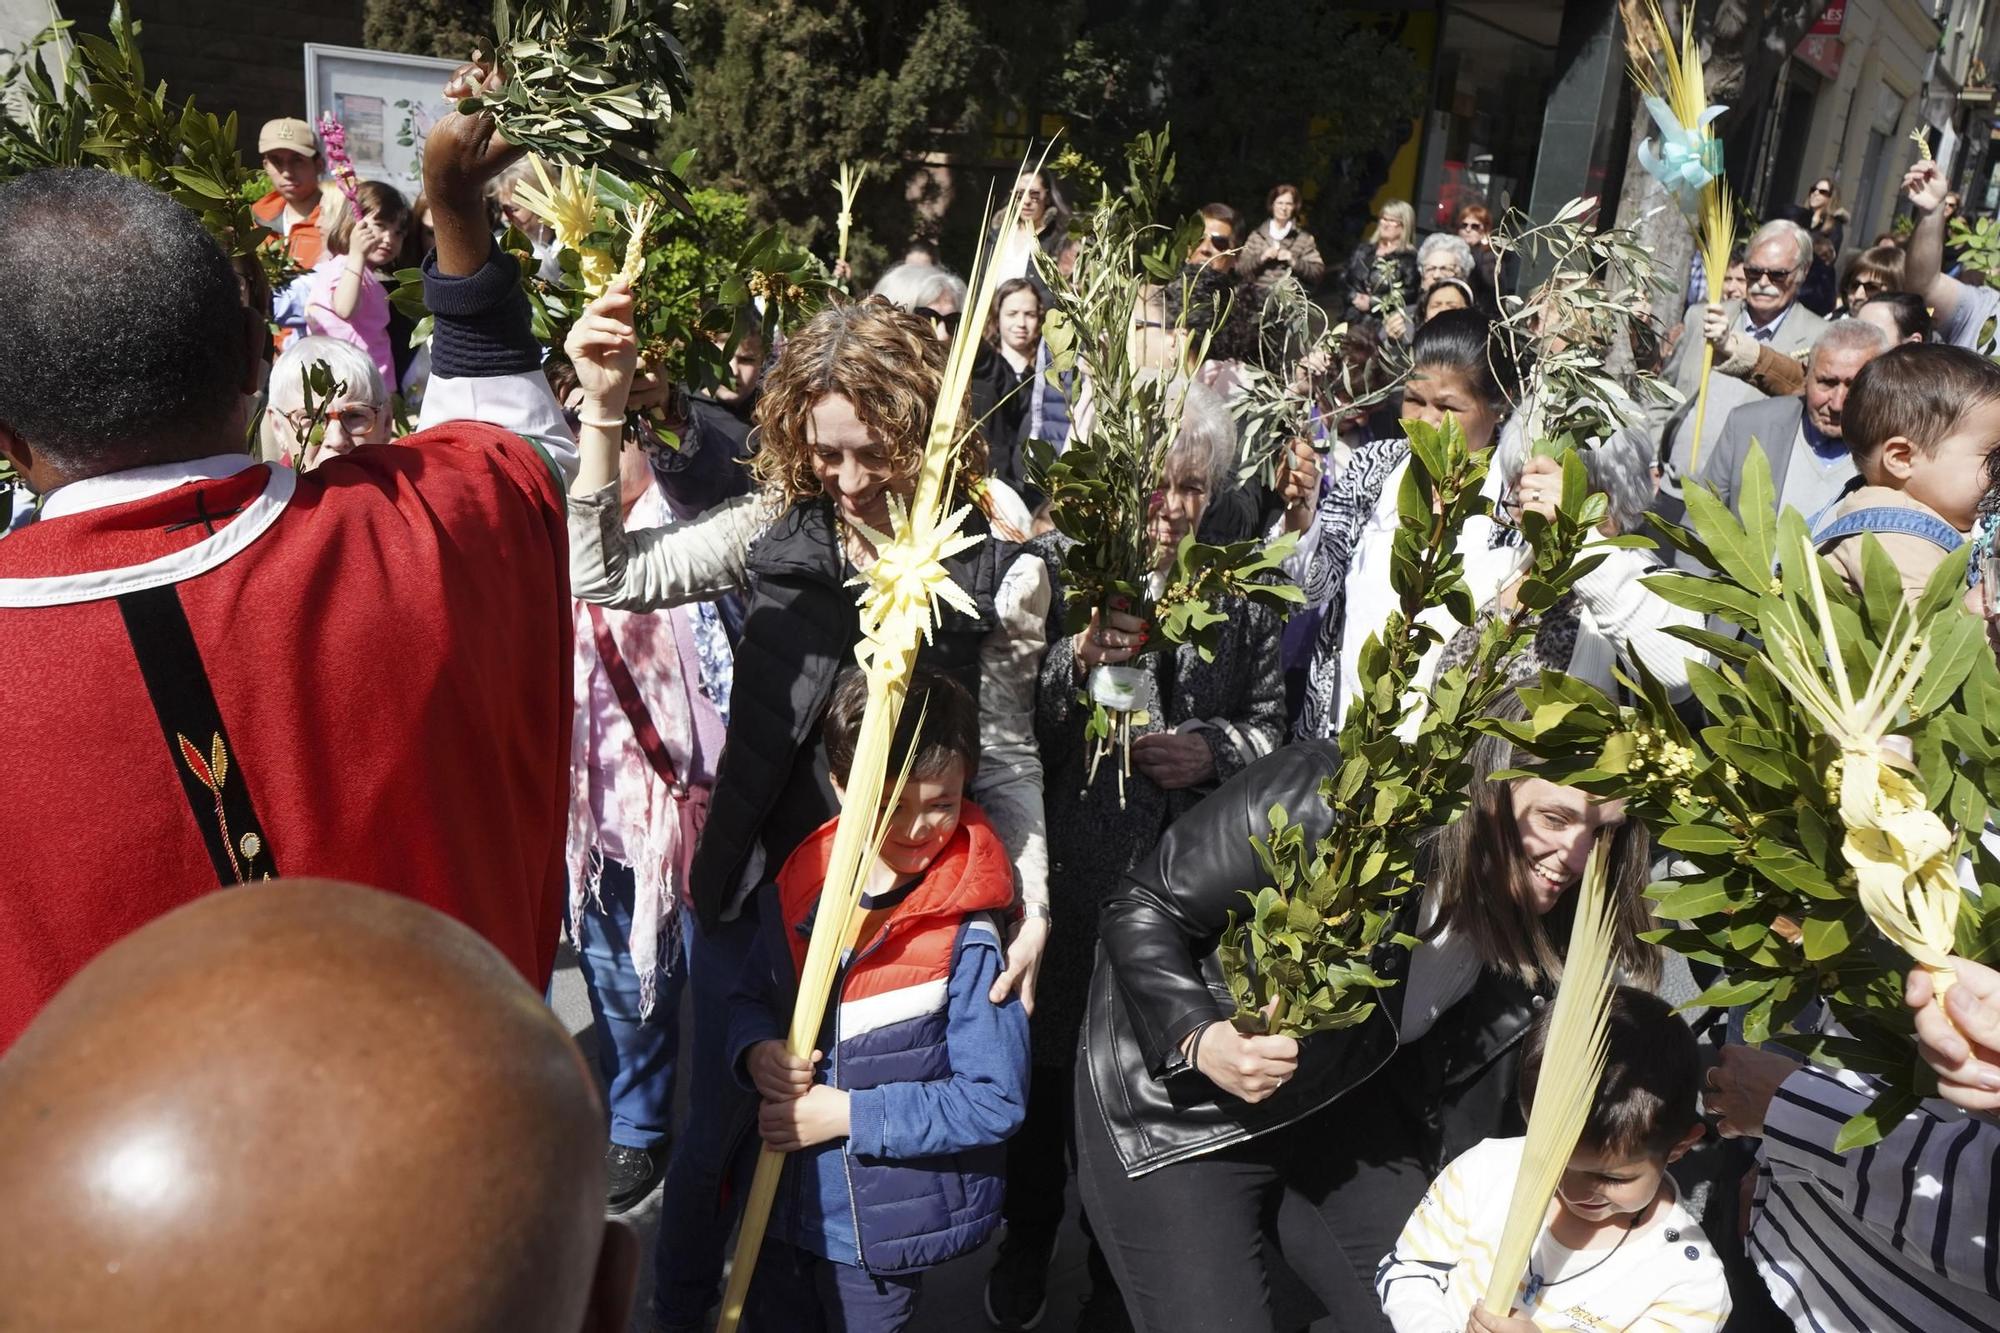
{"points": [[842, 424]]}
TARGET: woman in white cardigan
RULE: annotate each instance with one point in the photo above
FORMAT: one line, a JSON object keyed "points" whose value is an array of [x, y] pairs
{"points": [[1610, 621]]}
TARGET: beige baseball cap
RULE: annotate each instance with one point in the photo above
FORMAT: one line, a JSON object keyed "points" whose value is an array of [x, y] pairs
{"points": [[288, 133]]}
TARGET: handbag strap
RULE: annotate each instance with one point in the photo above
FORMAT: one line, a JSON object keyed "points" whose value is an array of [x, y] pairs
{"points": [[627, 691]]}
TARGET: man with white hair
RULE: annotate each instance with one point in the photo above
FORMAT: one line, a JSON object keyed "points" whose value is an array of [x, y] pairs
{"points": [[1801, 434], [1775, 264]]}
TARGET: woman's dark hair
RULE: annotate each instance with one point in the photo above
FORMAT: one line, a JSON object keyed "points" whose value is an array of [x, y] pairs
{"points": [[1464, 289], [123, 339], [1462, 341], [1284, 187], [1648, 1099], [1480, 876], [1912, 316], [939, 719]]}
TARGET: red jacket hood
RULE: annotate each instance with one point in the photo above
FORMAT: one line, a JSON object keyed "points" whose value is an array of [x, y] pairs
{"points": [[972, 874]]}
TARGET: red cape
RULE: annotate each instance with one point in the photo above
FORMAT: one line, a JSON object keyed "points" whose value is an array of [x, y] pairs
{"points": [[386, 641]]}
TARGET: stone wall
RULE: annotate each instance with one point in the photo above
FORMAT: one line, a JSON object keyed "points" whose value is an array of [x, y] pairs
{"points": [[231, 55]]}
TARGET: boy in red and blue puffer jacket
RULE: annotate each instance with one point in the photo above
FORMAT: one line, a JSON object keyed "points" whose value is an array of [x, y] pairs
{"points": [[897, 1138]]}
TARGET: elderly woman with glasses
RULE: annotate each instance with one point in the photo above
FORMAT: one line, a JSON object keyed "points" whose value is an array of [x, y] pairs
{"points": [[1440, 259], [357, 413]]}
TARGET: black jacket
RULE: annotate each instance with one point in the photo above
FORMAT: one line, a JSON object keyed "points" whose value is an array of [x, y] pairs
{"points": [[799, 631], [1158, 978]]}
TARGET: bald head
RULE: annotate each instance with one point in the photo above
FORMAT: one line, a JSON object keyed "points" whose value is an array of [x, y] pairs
{"points": [[304, 1106]]}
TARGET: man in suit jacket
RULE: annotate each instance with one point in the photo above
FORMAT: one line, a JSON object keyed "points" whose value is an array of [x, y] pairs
{"points": [[1801, 436], [1775, 263]]}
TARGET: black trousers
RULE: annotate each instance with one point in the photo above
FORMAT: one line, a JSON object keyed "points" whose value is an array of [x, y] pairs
{"points": [[1186, 1242], [1040, 1153]]}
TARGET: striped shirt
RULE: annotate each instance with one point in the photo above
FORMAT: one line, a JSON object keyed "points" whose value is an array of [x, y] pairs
{"points": [[1898, 1236]]}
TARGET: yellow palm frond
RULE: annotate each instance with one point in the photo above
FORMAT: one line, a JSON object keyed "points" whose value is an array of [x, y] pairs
{"points": [[1901, 852], [1572, 1067]]}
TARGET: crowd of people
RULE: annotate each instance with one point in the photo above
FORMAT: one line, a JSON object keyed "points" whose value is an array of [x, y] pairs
{"points": [[540, 669]]}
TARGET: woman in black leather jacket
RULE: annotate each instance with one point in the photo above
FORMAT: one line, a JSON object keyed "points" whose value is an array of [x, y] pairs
{"points": [[1190, 1135]]}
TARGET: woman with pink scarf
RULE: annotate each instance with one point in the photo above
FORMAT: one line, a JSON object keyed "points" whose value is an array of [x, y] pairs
{"points": [[651, 696]]}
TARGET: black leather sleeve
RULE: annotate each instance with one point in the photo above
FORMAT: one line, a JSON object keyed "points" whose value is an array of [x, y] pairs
{"points": [[1167, 914]]}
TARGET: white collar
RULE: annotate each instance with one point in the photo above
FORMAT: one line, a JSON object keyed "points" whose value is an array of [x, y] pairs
{"points": [[139, 483], [1279, 231]]}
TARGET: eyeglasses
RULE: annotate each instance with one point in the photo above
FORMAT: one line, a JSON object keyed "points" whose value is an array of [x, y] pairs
{"points": [[1777, 277], [949, 323], [1222, 242], [1818, 189], [1865, 285], [1479, 227], [353, 420], [1439, 270]]}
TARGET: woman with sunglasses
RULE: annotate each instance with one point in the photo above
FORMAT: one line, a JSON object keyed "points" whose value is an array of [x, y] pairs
{"points": [[1874, 272], [1474, 226], [1823, 214], [933, 294]]}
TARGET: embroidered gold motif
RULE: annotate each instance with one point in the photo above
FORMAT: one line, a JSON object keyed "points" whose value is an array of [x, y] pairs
{"points": [[211, 770]]}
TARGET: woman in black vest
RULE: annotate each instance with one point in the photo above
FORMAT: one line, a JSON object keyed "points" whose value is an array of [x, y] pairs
{"points": [[841, 429], [1193, 1139]]}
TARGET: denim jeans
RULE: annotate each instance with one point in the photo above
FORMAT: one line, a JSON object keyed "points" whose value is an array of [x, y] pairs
{"points": [[636, 1057], [700, 1200], [798, 1292]]}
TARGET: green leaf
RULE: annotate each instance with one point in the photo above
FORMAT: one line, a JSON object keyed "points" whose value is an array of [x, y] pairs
{"points": [[1758, 503], [1711, 597], [1825, 936], [1736, 554], [1883, 1114], [1701, 839], [1693, 900], [1729, 994]]}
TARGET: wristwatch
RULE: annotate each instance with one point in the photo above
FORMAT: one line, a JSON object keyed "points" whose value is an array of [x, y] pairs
{"points": [[1037, 912]]}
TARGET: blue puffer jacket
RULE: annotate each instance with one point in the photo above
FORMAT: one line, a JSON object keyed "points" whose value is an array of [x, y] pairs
{"points": [[936, 1073]]}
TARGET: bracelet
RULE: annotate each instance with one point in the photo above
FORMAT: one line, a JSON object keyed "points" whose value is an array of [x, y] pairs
{"points": [[1194, 1047], [618, 424], [1032, 911]]}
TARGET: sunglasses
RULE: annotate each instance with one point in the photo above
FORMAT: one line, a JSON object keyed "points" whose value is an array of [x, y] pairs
{"points": [[1222, 242], [949, 323], [1776, 276], [1818, 189], [1867, 285], [1472, 226]]}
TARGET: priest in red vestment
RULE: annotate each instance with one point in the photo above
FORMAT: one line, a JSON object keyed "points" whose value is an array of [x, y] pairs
{"points": [[219, 671]]}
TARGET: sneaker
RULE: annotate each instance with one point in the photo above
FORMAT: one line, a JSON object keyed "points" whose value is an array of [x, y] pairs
{"points": [[1017, 1290], [630, 1174]]}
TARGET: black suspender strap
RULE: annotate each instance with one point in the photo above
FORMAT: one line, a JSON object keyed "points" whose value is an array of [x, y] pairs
{"points": [[211, 775]]}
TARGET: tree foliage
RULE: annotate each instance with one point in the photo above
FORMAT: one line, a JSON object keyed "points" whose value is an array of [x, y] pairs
{"points": [[1307, 92], [448, 29]]}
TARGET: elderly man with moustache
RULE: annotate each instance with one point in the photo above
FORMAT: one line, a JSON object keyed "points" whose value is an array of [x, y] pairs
{"points": [[1775, 263]]}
